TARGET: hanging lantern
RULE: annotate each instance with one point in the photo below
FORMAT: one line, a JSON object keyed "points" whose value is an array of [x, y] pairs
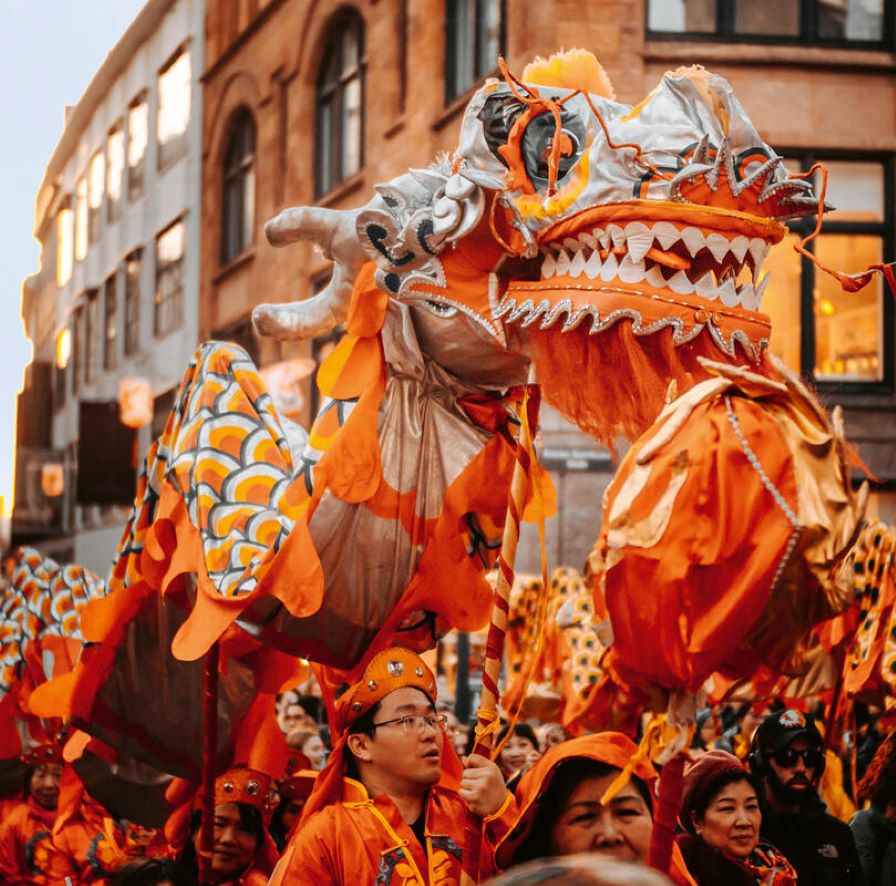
{"points": [[135, 402], [52, 479]]}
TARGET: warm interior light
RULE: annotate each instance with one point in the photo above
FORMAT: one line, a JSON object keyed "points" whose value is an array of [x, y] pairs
{"points": [[52, 479], [135, 404], [63, 348]]}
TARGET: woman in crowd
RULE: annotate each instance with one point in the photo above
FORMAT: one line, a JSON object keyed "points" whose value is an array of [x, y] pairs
{"points": [[874, 828], [519, 751], [243, 853], [32, 820], [721, 817], [560, 808]]}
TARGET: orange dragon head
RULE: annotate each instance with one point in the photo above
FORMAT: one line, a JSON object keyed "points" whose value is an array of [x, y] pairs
{"points": [[613, 244]]}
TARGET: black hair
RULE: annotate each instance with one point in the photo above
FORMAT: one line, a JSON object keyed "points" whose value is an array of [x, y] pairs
{"points": [[250, 818], [521, 730], [312, 706], [151, 872], [568, 775], [706, 793]]}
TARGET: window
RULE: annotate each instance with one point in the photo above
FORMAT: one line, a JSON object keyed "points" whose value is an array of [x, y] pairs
{"points": [[81, 219], [138, 137], [90, 336], [238, 197], [174, 107], [132, 303], [95, 184], [114, 172], [340, 104], [169, 295], [77, 327], [110, 326], [65, 244], [846, 22], [473, 40], [827, 334]]}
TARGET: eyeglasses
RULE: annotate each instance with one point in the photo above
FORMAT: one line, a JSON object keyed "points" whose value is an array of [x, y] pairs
{"points": [[416, 723], [786, 758]]}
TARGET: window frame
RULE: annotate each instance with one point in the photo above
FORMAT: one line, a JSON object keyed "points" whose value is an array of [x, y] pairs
{"points": [[114, 204], [132, 289], [332, 94], [883, 229], [808, 25], [234, 180], [481, 69], [91, 333], [110, 342], [162, 330], [136, 183], [172, 151]]}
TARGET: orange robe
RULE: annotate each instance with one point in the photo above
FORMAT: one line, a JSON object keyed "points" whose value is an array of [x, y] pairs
{"points": [[22, 830], [87, 845], [364, 840]]}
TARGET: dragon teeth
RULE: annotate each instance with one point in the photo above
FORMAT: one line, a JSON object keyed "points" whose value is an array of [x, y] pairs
{"points": [[728, 293], [655, 278], [718, 245], [747, 297], [631, 271], [562, 262], [577, 265], [593, 265], [549, 265], [666, 234], [638, 242], [694, 240], [610, 268], [705, 286], [680, 283], [758, 250], [617, 235], [760, 289], [739, 246]]}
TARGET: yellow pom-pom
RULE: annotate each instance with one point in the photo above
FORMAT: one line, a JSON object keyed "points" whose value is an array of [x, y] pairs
{"points": [[571, 69]]}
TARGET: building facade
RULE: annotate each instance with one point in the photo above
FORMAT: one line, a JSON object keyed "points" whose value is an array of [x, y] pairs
{"points": [[116, 297]]}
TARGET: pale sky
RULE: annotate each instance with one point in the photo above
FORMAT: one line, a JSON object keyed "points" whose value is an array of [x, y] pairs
{"points": [[49, 51]]}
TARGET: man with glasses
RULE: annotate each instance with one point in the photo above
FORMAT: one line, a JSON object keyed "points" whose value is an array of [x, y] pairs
{"points": [[390, 806], [787, 757]]}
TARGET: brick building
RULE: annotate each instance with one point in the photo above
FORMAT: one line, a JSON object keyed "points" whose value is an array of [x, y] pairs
{"points": [[317, 101]]}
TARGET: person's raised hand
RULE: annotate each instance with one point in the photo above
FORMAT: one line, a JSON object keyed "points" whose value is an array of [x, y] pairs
{"points": [[482, 786]]}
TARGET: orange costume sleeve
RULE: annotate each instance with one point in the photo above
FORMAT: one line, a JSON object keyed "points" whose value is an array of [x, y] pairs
{"points": [[21, 830]]}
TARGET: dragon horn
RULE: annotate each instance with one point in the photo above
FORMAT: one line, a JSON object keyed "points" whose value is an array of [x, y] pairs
{"points": [[333, 231]]}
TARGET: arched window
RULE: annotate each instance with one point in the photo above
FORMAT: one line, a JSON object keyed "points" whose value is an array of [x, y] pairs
{"points": [[340, 103], [238, 193]]}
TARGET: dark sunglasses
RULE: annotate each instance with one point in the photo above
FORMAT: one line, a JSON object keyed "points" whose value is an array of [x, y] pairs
{"points": [[786, 758]]}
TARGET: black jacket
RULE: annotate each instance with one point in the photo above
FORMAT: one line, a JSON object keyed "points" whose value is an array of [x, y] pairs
{"points": [[820, 847]]}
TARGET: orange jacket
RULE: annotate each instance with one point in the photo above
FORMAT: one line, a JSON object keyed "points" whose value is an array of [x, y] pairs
{"points": [[22, 830], [364, 840], [87, 845]]}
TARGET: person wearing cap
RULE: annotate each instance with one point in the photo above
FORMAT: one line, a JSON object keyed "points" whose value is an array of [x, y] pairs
{"points": [[562, 810], [721, 818], [787, 758], [390, 805], [30, 823], [243, 853]]}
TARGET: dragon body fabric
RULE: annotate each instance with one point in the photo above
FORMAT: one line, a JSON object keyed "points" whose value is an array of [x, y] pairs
{"points": [[616, 249]]}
